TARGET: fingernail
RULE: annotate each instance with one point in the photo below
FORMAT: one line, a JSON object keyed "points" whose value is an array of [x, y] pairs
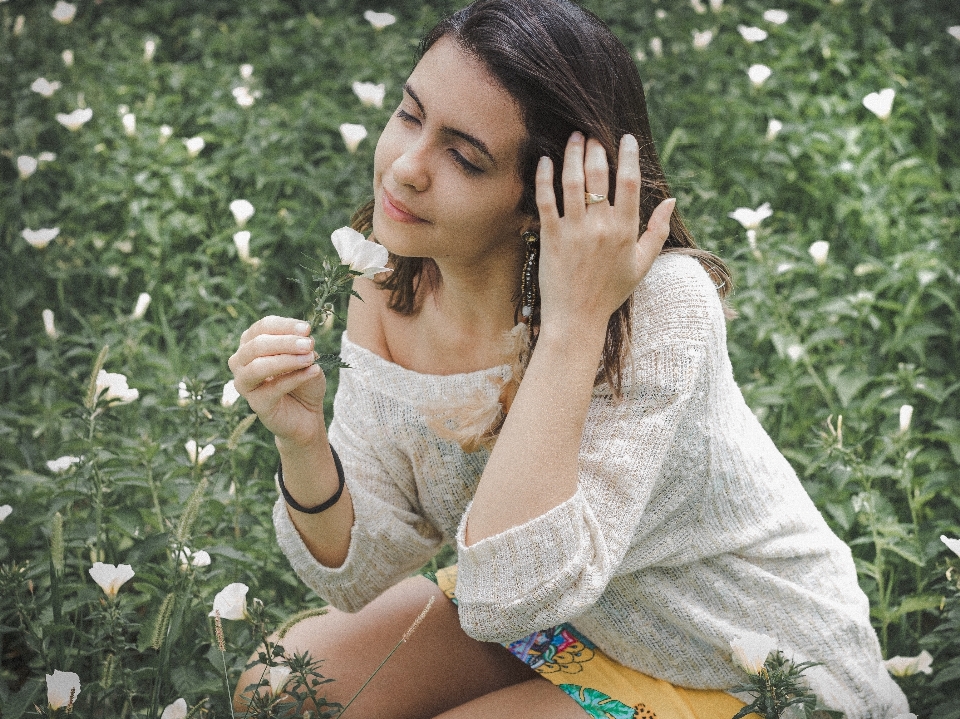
{"points": [[304, 344], [301, 328], [630, 139], [577, 136], [543, 164]]}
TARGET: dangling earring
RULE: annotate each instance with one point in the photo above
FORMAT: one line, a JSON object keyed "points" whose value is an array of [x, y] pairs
{"points": [[528, 285]]}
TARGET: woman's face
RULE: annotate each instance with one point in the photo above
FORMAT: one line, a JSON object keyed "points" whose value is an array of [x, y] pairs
{"points": [[446, 182]]}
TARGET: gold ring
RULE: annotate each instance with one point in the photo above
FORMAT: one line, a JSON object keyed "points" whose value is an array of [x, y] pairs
{"points": [[592, 198]]}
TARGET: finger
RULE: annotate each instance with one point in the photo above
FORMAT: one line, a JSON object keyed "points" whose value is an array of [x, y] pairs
{"points": [[262, 369], [658, 229], [269, 392], [595, 168], [628, 180], [274, 325], [264, 345], [546, 197], [571, 177]]}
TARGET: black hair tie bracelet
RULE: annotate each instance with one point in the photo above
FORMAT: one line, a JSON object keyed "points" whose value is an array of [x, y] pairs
{"points": [[320, 507]]}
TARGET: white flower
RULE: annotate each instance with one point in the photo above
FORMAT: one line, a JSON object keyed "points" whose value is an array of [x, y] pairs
{"points": [[165, 132], [76, 119], [661, 14], [880, 103], [242, 241], [197, 559], [200, 457], [242, 211], [140, 309], [149, 49], [230, 394], [231, 602], [773, 128], [752, 241], [352, 135], [954, 30], [5, 511], [758, 74], [47, 156], [26, 166], [818, 251], [751, 219], [194, 145], [44, 87], [794, 352], [278, 678], [750, 650], [62, 464], [111, 577], [129, 121], [906, 666], [906, 415], [177, 710], [48, 326], [62, 688], [702, 39], [361, 254], [716, 5], [925, 277], [246, 71], [67, 56], [656, 47], [698, 7], [243, 97], [909, 715], [369, 93], [63, 12], [18, 25], [40, 238], [777, 17], [953, 544], [183, 394], [379, 20], [115, 385], [752, 34]]}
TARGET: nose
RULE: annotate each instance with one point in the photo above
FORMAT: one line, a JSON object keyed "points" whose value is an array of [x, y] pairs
{"points": [[411, 167]]}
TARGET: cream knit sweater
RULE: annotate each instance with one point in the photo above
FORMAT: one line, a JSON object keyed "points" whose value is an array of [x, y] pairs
{"points": [[688, 526]]}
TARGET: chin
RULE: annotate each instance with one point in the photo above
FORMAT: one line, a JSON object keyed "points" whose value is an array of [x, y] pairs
{"points": [[399, 240]]}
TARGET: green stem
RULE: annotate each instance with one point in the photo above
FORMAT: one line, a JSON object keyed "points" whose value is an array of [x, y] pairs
{"points": [[369, 679]]}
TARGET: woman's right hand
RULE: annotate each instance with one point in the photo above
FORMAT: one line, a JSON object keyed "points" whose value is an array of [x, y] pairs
{"points": [[273, 370]]}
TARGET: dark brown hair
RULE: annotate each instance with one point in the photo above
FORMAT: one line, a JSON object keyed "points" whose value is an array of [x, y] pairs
{"points": [[566, 71]]}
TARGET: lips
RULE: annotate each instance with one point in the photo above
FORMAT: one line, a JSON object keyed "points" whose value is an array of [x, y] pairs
{"points": [[396, 210]]}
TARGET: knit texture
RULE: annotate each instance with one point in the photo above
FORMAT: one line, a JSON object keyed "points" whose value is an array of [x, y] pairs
{"points": [[688, 526]]}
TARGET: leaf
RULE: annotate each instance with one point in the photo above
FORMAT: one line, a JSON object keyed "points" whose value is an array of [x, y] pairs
{"points": [[15, 705], [918, 603]]}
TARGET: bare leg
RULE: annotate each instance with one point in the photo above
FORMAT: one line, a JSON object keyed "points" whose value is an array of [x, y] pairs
{"points": [[533, 699], [439, 668]]}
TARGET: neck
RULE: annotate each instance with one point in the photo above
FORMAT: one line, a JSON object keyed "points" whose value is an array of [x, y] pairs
{"points": [[476, 300]]}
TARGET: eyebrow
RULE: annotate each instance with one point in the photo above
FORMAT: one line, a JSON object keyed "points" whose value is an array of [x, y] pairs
{"points": [[476, 142]]}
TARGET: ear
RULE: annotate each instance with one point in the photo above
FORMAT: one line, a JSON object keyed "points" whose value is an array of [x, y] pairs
{"points": [[530, 224]]}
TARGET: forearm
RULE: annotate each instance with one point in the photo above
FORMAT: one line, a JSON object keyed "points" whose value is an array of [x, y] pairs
{"points": [[533, 467], [310, 476]]}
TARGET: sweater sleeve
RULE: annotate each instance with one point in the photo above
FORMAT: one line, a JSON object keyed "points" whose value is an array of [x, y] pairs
{"points": [[390, 538], [554, 567]]}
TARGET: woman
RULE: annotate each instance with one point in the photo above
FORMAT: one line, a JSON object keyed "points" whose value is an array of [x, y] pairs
{"points": [[615, 528]]}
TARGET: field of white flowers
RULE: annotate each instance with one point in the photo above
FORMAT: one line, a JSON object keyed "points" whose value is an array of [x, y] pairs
{"points": [[172, 171]]}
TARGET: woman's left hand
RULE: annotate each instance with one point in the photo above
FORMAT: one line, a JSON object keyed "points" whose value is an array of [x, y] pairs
{"points": [[591, 259]]}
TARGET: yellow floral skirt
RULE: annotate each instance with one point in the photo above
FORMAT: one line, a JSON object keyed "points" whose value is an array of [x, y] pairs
{"points": [[603, 687]]}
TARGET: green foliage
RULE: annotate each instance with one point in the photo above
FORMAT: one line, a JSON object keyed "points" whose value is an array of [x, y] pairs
{"points": [[826, 353]]}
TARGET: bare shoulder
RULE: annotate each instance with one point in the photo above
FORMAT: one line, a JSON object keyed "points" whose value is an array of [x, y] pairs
{"points": [[366, 318]]}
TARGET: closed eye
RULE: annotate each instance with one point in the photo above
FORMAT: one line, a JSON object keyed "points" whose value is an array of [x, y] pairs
{"points": [[465, 164]]}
